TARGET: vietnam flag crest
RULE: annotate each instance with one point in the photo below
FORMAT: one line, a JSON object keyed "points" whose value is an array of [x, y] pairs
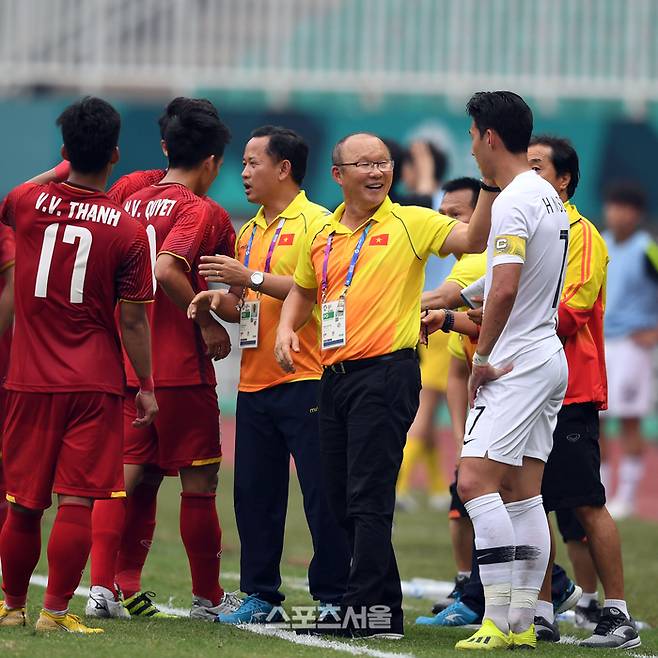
{"points": [[286, 239], [380, 240]]}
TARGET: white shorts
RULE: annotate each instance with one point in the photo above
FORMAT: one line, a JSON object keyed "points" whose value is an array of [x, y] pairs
{"points": [[514, 416], [630, 381]]}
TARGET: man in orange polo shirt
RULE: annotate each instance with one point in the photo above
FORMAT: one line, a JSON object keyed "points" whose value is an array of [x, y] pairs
{"points": [[572, 477], [277, 412], [364, 267]]}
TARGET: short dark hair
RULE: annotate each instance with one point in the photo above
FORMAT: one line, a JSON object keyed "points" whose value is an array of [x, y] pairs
{"points": [[563, 157], [464, 183], [627, 194], [335, 152], [174, 107], [90, 130], [506, 113], [286, 144], [194, 133]]}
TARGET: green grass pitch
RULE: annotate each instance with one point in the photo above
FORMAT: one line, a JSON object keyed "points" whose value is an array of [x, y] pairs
{"points": [[423, 550]]}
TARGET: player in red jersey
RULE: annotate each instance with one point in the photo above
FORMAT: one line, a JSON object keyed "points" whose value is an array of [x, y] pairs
{"points": [[77, 253], [140, 513], [7, 250], [181, 228]]}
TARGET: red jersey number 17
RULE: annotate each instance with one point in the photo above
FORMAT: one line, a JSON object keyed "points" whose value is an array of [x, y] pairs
{"points": [[71, 234]]}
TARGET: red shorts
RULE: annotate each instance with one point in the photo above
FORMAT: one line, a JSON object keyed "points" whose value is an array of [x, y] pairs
{"points": [[67, 443], [185, 432]]}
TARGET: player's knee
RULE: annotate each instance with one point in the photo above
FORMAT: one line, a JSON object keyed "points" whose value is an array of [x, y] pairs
{"points": [[200, 479], [589, 515], [468, 486], [74, 500]]}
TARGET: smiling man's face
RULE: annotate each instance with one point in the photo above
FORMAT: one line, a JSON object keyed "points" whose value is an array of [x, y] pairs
{"points": [[367, 188]]}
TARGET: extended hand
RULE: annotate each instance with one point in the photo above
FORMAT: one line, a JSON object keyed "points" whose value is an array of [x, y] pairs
{"points": [[286, 343], [431, 322], [217, 340], [203, 302], [480, 375], [223, 269], [475, 314], [147, 408]]}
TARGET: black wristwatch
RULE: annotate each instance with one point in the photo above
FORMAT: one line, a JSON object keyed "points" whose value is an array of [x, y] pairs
{"points": [[488, 188], [448, 322]]}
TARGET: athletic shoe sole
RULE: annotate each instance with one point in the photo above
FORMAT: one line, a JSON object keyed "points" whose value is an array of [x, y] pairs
{"points": [[570, 601]]}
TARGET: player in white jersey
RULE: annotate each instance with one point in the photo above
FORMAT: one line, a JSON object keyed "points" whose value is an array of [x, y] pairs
{"points": [[519, 375]]}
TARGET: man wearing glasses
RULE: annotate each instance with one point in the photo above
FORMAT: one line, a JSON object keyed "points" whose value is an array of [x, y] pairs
{"points": [[364, 267]]}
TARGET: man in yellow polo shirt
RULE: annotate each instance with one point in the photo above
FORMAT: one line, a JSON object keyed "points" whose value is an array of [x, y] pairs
{"points": [[277, 412], [364, 267]]}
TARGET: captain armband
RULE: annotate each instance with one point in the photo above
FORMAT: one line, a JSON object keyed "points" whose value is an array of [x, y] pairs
{"points": [[509, 245]]}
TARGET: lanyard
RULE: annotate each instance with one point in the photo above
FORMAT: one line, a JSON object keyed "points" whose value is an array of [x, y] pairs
{"points": [[350, 269], [270, 251]]}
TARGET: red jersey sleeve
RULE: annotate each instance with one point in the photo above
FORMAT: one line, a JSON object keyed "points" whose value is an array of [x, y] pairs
{"points": [[7, 247], [8, 207], [134, 280], [187, 235], [130, 183]]}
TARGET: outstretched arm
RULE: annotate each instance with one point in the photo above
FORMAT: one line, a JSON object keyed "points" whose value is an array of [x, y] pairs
{"points": [[296, 311]]}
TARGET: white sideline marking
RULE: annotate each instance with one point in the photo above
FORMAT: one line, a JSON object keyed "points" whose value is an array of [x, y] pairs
{"points": [[568, 639], [416, 588], [315, 641], [258, 629]]}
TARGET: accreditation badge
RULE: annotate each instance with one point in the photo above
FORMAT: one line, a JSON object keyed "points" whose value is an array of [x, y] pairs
{"points": [[249, 319], [333, 324]]}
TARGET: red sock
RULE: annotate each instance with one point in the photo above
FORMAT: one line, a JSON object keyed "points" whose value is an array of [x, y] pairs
{"points": [[137, 538], [107, 523], [68, 551], [20, 547], [202, 537]]}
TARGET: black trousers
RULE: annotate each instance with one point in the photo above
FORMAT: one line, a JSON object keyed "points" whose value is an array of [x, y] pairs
{"points": [[271, 425], [364, 419]]}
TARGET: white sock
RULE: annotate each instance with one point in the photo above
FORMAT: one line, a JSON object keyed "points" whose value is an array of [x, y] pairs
{"points": [[545, 610], [631, 470], [494, 544], [606, 475], [58, 613], [617, 603], [466, 574], [533, 545], [587, 597]]}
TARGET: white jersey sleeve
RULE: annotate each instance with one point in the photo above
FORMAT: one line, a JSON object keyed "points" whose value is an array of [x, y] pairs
{"points": [[529, 226], [510, 232]]}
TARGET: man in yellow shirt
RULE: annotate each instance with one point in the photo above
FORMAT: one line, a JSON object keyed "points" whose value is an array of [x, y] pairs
{"points": [[364, 267], [277, 412]]}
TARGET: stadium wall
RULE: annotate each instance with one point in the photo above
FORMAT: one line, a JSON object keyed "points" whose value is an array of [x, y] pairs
{"points": [[611, 145]]}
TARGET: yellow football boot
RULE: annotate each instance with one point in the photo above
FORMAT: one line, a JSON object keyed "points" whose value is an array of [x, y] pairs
{"points": [[486, 638], [70, 623], [525, 640], [11, 616]]}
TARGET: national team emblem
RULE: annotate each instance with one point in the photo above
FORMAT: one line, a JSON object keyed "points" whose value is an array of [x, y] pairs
{"points": [[286, 239], [379, 239]]}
